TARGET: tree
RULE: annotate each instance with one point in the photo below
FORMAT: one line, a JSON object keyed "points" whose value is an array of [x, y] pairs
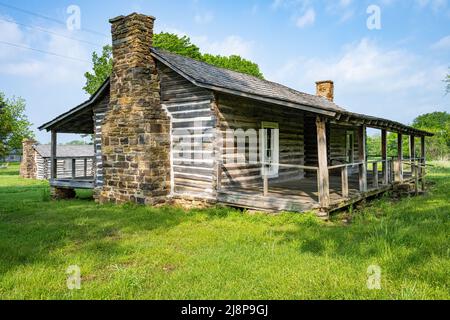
{"points": [[14, 124], [447, 81], [171, 42], [76, 143], [235, 63], [438, 147], [373, 144], [101, 70], [179, 45]]}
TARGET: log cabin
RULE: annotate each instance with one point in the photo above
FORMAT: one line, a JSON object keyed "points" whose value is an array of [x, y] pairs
{"points": [[170, 129], [73, 161]]}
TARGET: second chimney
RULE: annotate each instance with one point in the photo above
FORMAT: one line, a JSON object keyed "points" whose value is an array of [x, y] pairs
{"points": [[325, 89]]}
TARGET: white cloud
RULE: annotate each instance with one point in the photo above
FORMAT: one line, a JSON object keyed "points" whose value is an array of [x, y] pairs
{"points": [[370, 79], [230, 45], [435, 5], [204, 18], [345, 3], [364, 65], [49, 69], [10, 33], [442, 44], [277, 4], [308, 18], [342, 9]]}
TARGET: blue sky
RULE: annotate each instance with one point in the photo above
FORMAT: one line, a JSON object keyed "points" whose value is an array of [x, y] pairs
{"points": [[394, 72]]}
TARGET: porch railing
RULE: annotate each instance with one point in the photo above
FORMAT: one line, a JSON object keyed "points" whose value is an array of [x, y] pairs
{"points": [[80, 167], [372, 174], [265, 178]]}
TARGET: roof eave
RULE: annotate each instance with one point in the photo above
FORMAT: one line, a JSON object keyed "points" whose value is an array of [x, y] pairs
{"points": [[382, 123], [49, 125], [305, 107]]}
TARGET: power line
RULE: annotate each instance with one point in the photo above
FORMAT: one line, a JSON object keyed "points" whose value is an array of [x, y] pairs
{"points": [[49, 18], [51, 32], [43, 51]]}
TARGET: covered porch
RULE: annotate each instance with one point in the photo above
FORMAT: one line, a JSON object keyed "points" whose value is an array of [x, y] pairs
{"points": [[77, 173], [328, 183]]}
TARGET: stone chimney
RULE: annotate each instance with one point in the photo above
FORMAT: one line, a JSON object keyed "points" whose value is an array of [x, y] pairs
{"points": [[136, 130], [325, 89], [28, 167]]}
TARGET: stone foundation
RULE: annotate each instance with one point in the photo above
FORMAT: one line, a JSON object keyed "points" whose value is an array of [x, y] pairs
{"points": [[62, 193], [192, 203]]}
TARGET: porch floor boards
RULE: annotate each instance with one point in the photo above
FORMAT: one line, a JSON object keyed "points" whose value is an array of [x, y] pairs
{"points": [[77, 183], [297, 195]]}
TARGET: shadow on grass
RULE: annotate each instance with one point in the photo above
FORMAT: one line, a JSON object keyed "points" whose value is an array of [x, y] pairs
{"points": [[31, 229], [404, 235], [30, 232], [4, 172]]}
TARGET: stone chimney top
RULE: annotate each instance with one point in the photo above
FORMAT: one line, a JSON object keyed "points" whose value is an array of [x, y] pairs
{"points": [[325, 89], [134, 14]]}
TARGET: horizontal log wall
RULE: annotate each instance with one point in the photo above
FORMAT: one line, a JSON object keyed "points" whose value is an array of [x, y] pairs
{"points": [[238, 113], [41, 164], [99, 115], [193, 124], [337, 144], [64, 168]]}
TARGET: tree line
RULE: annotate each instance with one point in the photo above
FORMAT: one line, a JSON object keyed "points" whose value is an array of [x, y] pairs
{"points": [[102, 64], [437, 147], [15, 126]]}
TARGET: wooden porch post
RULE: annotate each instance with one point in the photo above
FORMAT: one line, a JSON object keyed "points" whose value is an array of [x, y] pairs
{"points": [[74, 168], [376, 184], [362, 158], [423, 161], [344, 179], [85, 167], [412, 147], [53, 160], [322, 173], [399, 171], [384, 156], [412, 157]]}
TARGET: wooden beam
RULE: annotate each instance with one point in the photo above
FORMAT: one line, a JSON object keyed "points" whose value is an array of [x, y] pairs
{"points": [[423, 161], [412, 154], [384, 156], [322, 173], [391, 171], [399, 171], [344, 179], [85, 167], [375, 175], [53, 161], [74, 168], [265, 185], [362, 158], [416, 177]]}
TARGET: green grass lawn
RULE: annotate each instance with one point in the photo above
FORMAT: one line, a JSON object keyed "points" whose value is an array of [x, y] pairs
{"points": [[131, 252]]}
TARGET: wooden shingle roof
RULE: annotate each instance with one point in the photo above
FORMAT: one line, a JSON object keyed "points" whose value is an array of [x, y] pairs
{"points": [[219, 79], [231, 82], [67, 151]]}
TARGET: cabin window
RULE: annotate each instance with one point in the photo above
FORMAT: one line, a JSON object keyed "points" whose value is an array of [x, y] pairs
{"points": [[350, 147], [269, 148]]}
